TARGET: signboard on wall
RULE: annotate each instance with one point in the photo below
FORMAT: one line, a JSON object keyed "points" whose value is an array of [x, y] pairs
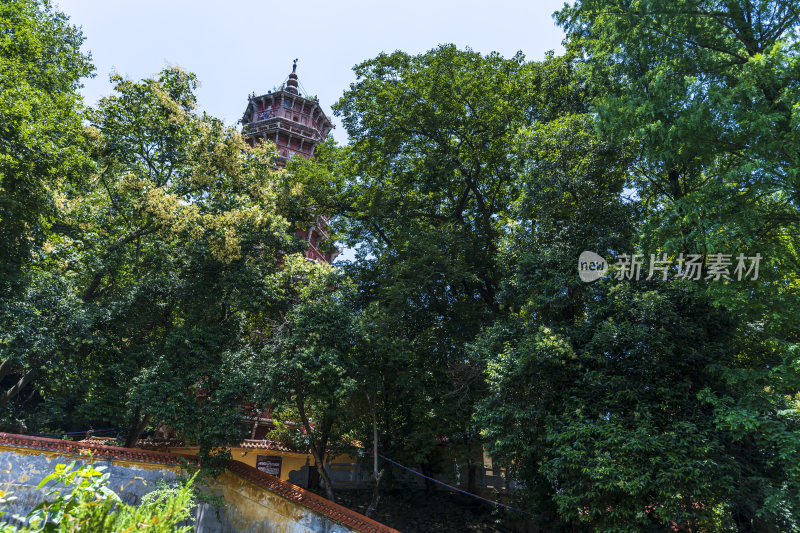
{"points": [[271, 464]]}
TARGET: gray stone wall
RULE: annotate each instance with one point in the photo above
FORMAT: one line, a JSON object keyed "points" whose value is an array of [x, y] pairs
{"points": [[21, 473], [248, 508]]}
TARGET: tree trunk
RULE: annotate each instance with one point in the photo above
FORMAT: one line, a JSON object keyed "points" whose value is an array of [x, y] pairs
{"points": [[136, 431], [376, 494], [11, 393], [377, 475], [427, 470], [318, 457], [323, 474], [471, 474], [471, 468]]}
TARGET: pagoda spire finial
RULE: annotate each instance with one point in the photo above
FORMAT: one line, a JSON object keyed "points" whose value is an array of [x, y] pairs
{"points": [[291, 83]]}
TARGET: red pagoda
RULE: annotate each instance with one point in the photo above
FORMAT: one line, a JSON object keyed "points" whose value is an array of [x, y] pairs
{"points": [[296, 124]]}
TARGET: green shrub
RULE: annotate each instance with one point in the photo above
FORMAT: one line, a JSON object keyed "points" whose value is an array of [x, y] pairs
{"points": [[78, 499]]}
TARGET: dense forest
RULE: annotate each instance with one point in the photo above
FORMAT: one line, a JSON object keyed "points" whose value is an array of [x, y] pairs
{"points": [[150, 274]]}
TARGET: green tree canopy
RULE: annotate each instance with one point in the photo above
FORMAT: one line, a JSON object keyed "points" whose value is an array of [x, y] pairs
{"points": [[41, 152]]}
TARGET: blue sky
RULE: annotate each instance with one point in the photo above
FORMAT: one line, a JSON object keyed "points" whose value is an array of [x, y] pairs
{"points": [[238, 47]]}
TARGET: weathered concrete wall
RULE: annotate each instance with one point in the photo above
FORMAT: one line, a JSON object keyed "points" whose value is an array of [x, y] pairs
{"points": [[249, 507], [21, 471]]}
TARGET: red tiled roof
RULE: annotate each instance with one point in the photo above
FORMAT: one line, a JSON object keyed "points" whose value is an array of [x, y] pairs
{"points": [[98, 440], [159, 444], [250, 444], [269, 445], [96, 449], [284, 489]]}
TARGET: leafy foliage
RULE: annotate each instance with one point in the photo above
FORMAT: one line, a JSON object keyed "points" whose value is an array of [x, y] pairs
{"points": [[153, 277], [41, 152], [78, 499], [305, 366]]}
